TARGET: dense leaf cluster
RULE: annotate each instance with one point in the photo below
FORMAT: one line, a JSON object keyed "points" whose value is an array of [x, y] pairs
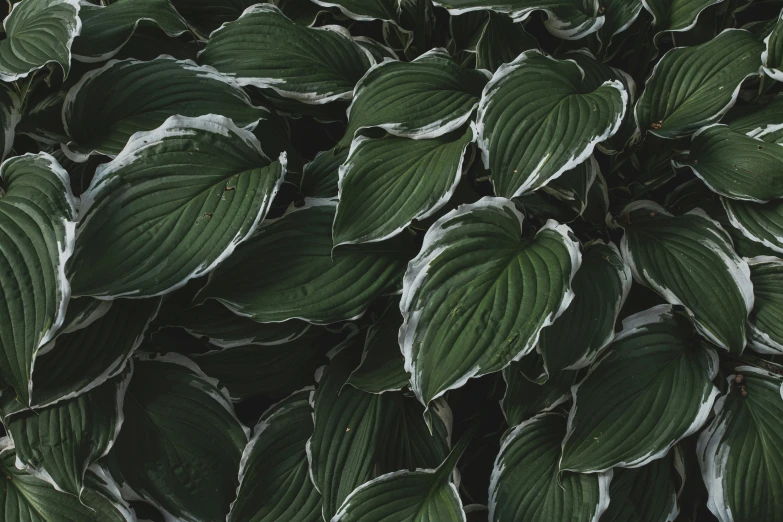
{"points": [[391, 260]]}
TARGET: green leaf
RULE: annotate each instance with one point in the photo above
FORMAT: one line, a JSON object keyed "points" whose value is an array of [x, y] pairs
{"points": [[309, 281], [558, 118], [618, 15], [25, 498], [735, 165], [675, 15], [105, 30], [573, 187], [311, 65], [58, 443], [578, 337], [426, 98], [524, 398], [762, 223], [476, 270], [274, 480], [772, 56], [526, 484], [568, 19], [765, 324], [382, 367], [738, 453], [10, 117], [208, 15], [763, 121], [181, 443], [500, 41], [274, 370], [691, 87], [37, 222], [350, 428], [689, 260], [387, 183], [213, 185], [649, 493], [38, 32], [108, 105], [365, 10], [320, 177], [651, 389]]}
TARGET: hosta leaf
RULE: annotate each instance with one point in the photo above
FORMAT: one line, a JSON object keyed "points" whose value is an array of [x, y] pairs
{"points": [[675, 15], [739, 451], [579, 335], [78, 361], [524, 398], [25, 498], [309, 282], [350, 428], [693, 86], [273, 370], [274, 481], [365, 10], [426, 98], [573, 187], [38, 32], [58, 443], [619, 15], [9, 118], [225, 329], [763, 121], [762, 223], [569, 19], [320, 177], [409, 443], [37, 216], [526, 485], [765, 324], [647, 494], [110, 104], [311, 65], [501, 41], [689, 260], [772, 57], [208, 15], [213, 185], [382, 367], [180, 444], [474, 270], [651, 389], [387, 183], [105, 30], [735, 165], [544, 104]]}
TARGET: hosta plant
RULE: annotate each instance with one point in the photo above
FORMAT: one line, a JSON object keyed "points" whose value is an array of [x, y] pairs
{"points": [[391, 261]]}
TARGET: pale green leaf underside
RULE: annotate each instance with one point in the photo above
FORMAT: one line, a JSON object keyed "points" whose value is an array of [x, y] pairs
{"points": [[690, 260], [762, 223], [569, 19], [525, 486], [735, 165], [425, 98], [25, 498], [212, 185], [274, 481], [306, 64], [110, 104], [387, 183], [106, 29], [180, 444], [38, 32], [304, 279], [651, 389], [765, 324], [739, 455], [478, 294], [37, 214], [578, 336], [693, 86], [538, 118], [58, 443]]}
